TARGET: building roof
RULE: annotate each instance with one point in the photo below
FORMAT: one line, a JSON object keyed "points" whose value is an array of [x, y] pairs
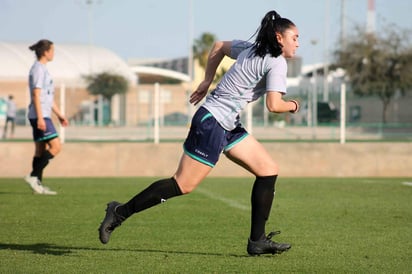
{"points": [[157, 74], [71, 62]]}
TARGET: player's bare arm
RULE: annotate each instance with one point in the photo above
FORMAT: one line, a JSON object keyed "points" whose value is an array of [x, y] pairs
{"points": [[59, 115], [275, 103], [219, 50], [37, 106]]}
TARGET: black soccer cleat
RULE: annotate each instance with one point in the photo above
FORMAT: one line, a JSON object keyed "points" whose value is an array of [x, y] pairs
{"points": [[266, 246], [110, 222]]}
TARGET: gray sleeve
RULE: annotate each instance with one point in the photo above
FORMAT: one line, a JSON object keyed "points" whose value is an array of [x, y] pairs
{"points": [[276, 76], [237, 47], [37, 77]]}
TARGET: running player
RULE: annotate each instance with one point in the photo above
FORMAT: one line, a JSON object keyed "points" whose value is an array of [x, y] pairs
{"points": [[260, 69]]}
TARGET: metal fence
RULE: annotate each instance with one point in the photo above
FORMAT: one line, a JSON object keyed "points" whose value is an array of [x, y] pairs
{"points": [[277, 131], [161, 126]]}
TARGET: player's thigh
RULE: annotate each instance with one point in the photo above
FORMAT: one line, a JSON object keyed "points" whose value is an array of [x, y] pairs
{"points": [[190, 173], [253, 156]]}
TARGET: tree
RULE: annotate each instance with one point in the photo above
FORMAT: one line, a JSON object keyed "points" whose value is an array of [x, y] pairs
{"points": [[106, 84], [201, 49], [378, 65]]}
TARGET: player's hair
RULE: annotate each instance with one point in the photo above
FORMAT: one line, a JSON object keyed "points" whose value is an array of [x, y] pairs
{"points": [[266, 41], [41, 47]]}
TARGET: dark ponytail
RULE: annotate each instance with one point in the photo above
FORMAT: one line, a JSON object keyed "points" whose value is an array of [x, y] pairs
{"points": [[266, 41], [41, 47]]}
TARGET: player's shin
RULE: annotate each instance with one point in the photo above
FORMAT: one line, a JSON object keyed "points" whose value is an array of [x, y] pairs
{"points": [[262, 197], [156, 193]]}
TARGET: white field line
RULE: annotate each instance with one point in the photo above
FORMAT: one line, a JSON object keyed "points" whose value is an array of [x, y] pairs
{"points": [[383, 182], [222, 199]]}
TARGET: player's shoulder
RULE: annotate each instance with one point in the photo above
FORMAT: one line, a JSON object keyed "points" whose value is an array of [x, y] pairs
{"points": [[276, 61], [276, 64], [239, 46], [37, 68]]}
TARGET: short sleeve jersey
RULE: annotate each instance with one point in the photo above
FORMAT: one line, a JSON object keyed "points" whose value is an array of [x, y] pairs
{"points": [[40, 78], [11, 109], [249, 78]]}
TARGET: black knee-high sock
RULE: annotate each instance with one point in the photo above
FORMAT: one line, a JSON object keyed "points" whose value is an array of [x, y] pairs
{"points": [[34, 166], [156, 193], [39, 163], [262, 197]]}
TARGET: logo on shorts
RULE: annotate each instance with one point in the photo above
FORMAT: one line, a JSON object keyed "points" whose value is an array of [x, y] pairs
{"points": [[201, 153]]}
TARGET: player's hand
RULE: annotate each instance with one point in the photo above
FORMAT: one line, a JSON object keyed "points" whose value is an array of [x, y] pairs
{"points": [[41, 124], [199, 93], [63, 121]]}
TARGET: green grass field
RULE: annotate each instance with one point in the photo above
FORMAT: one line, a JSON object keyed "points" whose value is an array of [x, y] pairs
{"points": [[334, 225]]}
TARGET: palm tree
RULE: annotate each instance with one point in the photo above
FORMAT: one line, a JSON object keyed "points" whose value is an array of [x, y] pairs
{"points": [[201, 49]]}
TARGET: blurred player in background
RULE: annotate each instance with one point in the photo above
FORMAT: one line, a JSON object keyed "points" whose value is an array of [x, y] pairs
{"points": [[260, 70], [42, 105], [10, 117]]}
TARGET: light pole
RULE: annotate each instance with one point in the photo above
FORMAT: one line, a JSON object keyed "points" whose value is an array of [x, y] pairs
{"points": [[190, 66], [326, 55], [90, 4], [315, 90], [99, 106]]}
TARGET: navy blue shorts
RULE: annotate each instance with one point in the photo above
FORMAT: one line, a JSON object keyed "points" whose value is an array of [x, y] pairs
{"points": [[207, 139], [43, 136]]}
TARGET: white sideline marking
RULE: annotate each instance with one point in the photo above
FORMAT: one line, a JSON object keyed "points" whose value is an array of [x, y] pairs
{"points": [[222, 199], [407, 183]]}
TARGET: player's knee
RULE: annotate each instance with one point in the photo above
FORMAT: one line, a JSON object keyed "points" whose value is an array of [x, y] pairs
{"points": [[186, 188], [275, 169], [55, 148], [268, 169]]}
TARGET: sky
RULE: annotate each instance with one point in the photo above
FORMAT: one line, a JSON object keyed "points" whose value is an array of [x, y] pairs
{"points": [[146, 29]]}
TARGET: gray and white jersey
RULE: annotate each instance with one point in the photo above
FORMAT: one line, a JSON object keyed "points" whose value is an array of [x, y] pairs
{"points": [[249, 78], [40, 78], [11, 109]]}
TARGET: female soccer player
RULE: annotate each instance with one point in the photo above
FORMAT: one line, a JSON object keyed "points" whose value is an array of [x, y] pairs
{"points": [[46, 141], [260, 69]]}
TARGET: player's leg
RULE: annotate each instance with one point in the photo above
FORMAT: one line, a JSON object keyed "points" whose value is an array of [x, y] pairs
{"points": [[45, 151], [54, 146], [47, 145], [39, 149], [189, 174], [5, 128], [251, 155], [40, 161], [51, 148], [33, 179], [201, 154], [13, 124], [202, 148]]}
